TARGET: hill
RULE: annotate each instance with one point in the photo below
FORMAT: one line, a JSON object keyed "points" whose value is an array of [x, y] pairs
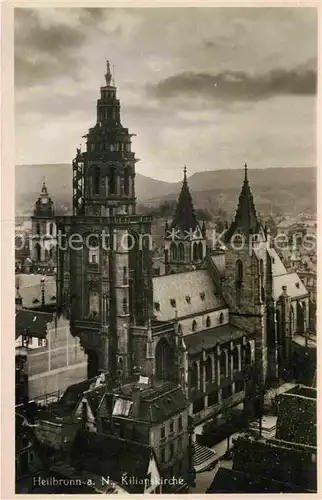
{"points": [[276, 190]]}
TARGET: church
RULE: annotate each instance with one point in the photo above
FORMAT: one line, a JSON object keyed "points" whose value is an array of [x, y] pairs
{"points": [[217, 322]]}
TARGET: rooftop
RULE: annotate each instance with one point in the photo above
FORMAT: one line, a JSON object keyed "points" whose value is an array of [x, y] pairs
{"points": [[185, 294], [32, 323]]}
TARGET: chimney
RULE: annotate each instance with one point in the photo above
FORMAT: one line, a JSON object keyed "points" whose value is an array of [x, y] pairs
{"points": [[136, 397]]}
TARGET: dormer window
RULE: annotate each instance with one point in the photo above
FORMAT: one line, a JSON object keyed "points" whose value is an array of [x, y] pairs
{"points": [[297, 285], [188, 299], [157, 306], [208, 322], [194, 325], [202, 295], [173, 302]]}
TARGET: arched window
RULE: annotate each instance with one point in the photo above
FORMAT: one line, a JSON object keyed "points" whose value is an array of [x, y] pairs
{"points": [[223, 364], [208, 322], [96, 181], [208, 369], [173, 252], [38, 228], [125, 311], [181, 252], [235, 359], [200, 251], [38, 252], [126, 181], [112, 181], [179, 328], [195, 252], [194, 375], [164, 360], [247, 354], [239, 272], [194, 325], [221, 318], [261, 267]]}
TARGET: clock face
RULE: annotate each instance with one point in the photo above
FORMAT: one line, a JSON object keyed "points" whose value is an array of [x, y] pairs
{"points": [[44, 201]]}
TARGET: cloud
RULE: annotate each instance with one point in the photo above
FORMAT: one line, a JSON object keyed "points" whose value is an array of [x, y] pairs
{"points": [[236, 85], [47, 42]]}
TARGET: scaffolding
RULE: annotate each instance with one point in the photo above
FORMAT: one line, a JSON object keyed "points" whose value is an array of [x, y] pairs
{"points": [[78, 184]]}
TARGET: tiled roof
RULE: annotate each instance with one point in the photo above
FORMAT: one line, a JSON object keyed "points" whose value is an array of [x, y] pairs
{"points": [[112, 457], [30, 289], [295, 287], [219, 263], [208, 338], [32, 323], [171, 293], [73, 394], [156, 405], [277, 265]]}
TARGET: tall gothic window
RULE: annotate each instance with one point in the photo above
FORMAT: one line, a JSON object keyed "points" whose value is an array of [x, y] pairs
{"points": [[93, 303], [235, 359], [194, 325], [126, 181], [223, 364], [112, 181], [194, 375], [96, 181], [208, 322], [173, 251], [181, 252], [208, 369], [239, 272], [261, 280]]}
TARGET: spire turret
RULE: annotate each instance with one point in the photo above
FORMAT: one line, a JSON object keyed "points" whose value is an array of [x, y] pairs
{"points": [[246, 220], [185, 218], [108, 74]]}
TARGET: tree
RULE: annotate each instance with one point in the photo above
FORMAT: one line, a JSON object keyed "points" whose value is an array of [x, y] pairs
{"points": [[227, 415]]}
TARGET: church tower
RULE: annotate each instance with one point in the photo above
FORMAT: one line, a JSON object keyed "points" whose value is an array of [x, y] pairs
{"points": [[43, 245], [247, 284], [104, 279], [185, 239]]}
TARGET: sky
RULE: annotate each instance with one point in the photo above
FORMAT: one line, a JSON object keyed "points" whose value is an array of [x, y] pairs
{"points": [[207, 87]]}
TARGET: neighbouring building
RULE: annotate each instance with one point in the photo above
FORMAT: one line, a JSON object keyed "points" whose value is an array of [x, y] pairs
{"points": [[286, 463], [43, 244], [48, 358]]}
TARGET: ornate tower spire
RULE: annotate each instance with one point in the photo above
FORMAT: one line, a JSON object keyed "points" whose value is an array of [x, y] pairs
{"points": [[185, 218], [185, 243], [245, 220]]}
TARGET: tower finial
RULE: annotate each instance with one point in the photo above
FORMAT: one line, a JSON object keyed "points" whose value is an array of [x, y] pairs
{"points": [[108, 75], [246, 170], [185, 172]]}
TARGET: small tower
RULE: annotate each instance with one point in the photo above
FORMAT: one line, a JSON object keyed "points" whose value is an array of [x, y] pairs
{"points": [[43, 249], [247, 284], [185, 241]]}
